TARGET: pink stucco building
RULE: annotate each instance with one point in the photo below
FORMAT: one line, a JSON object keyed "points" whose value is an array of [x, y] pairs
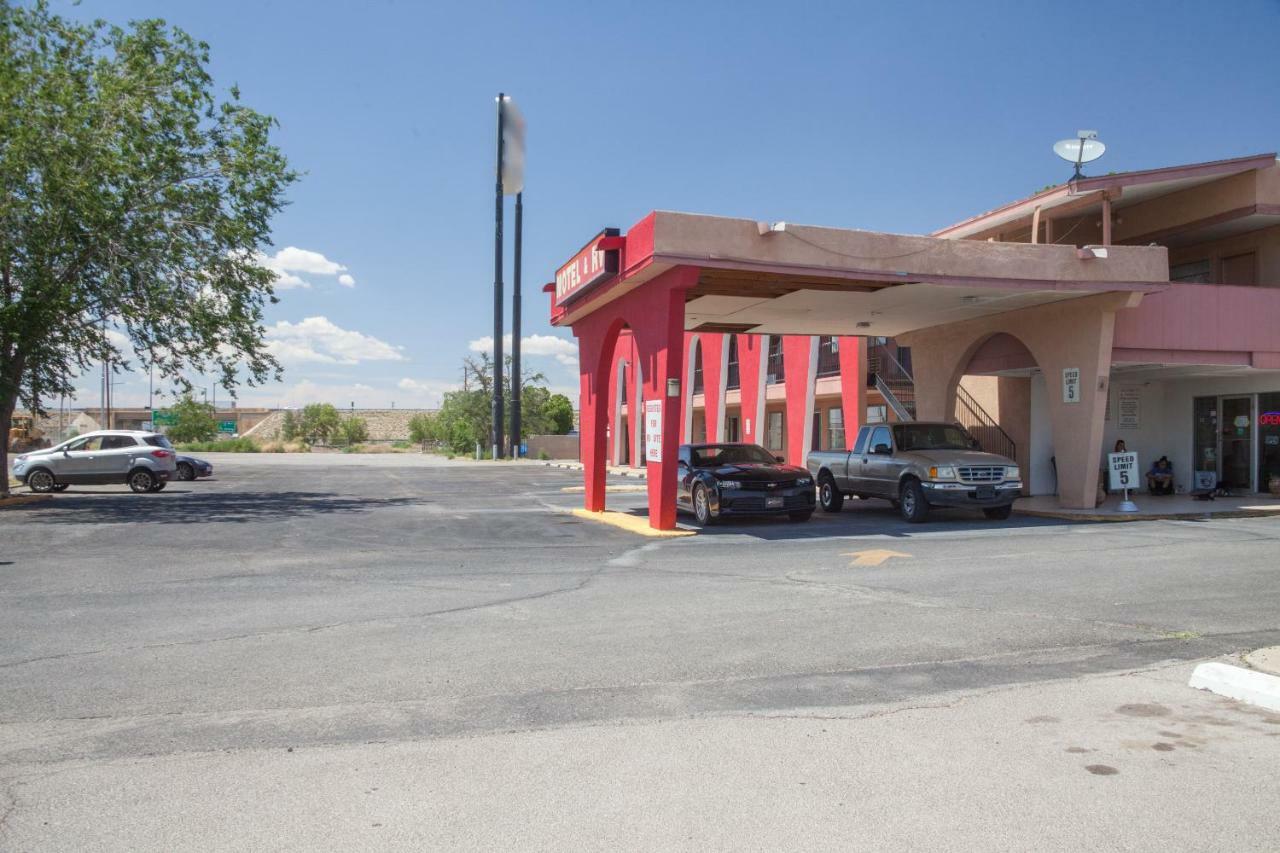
{"points": [[1154, 295]]}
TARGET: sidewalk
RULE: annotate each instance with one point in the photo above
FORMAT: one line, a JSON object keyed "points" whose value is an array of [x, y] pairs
{"points": [[1151, 507], [570, 465]]}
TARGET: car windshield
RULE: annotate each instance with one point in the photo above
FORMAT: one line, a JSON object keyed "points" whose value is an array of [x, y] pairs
{"points": [[157, 441], [931, 437], [714, 455]]}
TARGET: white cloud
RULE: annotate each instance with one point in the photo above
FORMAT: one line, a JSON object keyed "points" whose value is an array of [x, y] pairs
{"points": [[429, 393], [317, 340], [563, 350], [291, 260]]}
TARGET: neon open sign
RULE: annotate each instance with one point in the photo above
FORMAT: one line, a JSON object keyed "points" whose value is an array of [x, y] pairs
{"points": [[1269, 419]]}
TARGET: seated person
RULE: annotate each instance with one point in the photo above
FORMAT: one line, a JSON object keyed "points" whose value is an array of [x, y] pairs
{"points": [[1160, 477]]}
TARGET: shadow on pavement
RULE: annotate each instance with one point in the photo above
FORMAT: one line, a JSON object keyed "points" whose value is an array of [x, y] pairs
{"points": [[196, 507]]}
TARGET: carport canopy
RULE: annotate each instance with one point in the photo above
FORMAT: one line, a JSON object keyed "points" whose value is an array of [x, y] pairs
{"points": [[677, 272]]}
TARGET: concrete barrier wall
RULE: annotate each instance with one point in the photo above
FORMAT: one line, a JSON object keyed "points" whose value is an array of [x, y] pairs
{"points": [[555, 446]]}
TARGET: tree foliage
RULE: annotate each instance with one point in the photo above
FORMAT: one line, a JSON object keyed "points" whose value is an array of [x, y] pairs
{"points": [[559, 414], [134, 208], [353, 431], [320, 422], [193, 421], [425, 428], [289, 428], [466, 416]]}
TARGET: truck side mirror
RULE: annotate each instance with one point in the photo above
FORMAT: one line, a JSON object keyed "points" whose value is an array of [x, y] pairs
{"points": [[882, 450], [781, 460]]}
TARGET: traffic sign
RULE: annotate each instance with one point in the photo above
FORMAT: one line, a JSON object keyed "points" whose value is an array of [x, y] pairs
{"points": [[228, 427], [164, 418], [1123, 468]]}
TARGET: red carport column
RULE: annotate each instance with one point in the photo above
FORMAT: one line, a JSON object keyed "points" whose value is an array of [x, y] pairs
{"points": [[751, 354], [800, 362], [658, 324], [853, 386], [593, 402]]}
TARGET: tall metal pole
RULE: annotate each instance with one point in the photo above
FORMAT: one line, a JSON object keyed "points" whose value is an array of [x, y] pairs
{"points": [[498, 414], [516, 376]]}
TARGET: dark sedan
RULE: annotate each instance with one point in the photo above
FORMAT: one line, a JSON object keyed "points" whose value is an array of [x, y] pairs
{"points": [[720, 480], [189, 468]]}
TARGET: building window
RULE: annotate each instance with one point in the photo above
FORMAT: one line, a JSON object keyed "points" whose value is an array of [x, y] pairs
{"points": [[877, 414], [1240, 269], [1269, 448], [828, 356], [697, 368], [1196, 272], [733, 380], [775, 367], [773, 436], [835, 428], [732, 430]]}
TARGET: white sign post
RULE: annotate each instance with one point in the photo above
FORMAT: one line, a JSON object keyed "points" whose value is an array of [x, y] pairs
{"points": [[653, 430], [1071, 385], [1122, 469]]}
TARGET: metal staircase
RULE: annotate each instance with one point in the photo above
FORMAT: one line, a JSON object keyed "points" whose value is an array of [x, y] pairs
{"points": [[893, 381], [896, 384]]}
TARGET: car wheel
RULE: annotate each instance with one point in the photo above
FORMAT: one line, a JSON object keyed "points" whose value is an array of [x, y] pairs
{"points": [[911, 502], [803, 515], [998, 513], [41, 480], [185, 471], [142, 480], [702, 505], [62, 487], [159, 486], [831, 498]]}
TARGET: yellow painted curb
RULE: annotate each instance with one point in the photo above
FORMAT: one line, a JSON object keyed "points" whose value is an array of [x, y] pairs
{"points": [[630, 523]]}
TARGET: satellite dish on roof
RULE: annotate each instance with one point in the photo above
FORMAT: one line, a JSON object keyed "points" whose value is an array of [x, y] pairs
{"points": [[1085, 148]]}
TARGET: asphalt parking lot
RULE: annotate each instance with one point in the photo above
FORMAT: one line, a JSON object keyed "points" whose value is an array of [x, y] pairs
{"points": [[398, 653]]}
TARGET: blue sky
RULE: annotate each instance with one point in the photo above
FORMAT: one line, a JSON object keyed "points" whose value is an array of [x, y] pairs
{"points": [[890, 116]]}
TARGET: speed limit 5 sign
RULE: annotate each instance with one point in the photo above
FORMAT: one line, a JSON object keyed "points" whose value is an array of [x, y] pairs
{"points": [[1123, 468]]}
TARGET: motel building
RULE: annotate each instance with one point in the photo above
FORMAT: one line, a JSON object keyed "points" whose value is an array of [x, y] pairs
{"points": [[1142, 306]]}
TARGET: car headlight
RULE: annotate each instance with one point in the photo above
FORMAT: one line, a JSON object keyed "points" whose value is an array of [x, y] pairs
{"points": [[942, 472], [730, 484], [804, 481], [1011, 472]]}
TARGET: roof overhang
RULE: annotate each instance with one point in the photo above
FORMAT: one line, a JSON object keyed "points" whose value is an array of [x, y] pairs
{"points": [[789, 279], [1085, 195]]}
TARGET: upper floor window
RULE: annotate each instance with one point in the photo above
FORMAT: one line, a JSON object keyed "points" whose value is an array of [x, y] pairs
{"points": [[733, 380], [697, 367], [1196, 272], [776, 368], [828, 356]]}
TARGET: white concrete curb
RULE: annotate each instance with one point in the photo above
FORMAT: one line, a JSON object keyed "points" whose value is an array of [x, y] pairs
{"points": [[1247, 685]]}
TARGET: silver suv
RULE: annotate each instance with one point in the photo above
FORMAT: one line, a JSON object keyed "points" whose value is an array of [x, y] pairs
{"points": [[144, 460]]}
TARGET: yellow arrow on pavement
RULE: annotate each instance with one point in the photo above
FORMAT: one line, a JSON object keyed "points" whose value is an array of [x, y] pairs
{"points": [[873, 557]]}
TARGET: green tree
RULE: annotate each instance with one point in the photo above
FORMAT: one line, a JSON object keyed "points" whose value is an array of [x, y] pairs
{"points": [[193, 421], [134, 202], [559, 413], [289, 426], [425, 427], [353, 431], [320, 422]]}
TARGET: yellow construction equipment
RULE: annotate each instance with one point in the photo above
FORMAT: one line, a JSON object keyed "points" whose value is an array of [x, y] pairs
{"points": [[24, 435]]}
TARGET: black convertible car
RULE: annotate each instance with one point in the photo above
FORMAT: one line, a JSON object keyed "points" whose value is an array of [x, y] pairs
{"points": [[719, 480]]}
